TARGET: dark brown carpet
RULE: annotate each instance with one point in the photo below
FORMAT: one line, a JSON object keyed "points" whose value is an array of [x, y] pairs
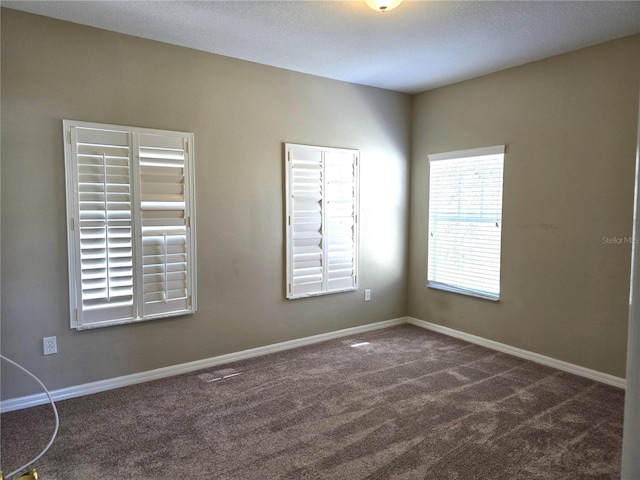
{"points": [[411, 404]]}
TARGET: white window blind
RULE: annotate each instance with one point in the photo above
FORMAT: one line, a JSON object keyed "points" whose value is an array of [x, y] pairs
{"points": [[321, 217], [465, 221], [131, 237]]}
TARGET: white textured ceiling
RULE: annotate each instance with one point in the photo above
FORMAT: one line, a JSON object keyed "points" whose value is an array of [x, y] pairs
{"points": [[420, 45]]}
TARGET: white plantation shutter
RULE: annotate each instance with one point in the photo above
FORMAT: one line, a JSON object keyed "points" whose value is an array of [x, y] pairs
{"points": [[130, 210], [104, 222], [321, 215], [306, 255], [465, 221], [164, 217], [340, 219]]}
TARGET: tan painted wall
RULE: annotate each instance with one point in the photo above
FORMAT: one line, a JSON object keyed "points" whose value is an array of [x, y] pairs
{"points": [[570, 125], [568, 122], [241, 113]]}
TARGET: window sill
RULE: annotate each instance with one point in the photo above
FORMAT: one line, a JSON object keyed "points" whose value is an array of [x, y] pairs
{"points": [[464, 291]]}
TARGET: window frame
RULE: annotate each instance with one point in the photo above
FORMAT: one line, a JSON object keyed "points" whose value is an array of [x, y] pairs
{"points": [[73, 227], [290, 220], [470, 154]]}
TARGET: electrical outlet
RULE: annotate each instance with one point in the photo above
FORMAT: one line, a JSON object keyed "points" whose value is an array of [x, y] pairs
{"points": [[49, 345], [367, 295]]}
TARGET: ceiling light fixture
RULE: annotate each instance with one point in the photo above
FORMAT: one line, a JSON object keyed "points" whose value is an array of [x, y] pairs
{"points": [[383, 5]]}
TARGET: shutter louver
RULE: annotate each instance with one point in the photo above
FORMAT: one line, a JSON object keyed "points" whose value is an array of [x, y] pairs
{"points": [[163, 210], [322, 230], [104, 224], [465, 222]]}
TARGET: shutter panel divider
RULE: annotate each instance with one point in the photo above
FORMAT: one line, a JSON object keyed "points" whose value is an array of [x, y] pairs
{"points": [[137, 232], [323, 228]]}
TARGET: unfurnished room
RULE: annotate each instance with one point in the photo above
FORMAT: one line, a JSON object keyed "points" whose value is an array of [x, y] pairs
{"points": [[315, 239]]}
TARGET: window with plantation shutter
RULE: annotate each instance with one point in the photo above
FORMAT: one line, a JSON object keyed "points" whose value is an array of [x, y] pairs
{"points": [[465, 221], [131, 232], [321, 217]]}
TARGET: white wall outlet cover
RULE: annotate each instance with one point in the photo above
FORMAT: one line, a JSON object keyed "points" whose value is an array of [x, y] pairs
{"points": [[49, 345]]}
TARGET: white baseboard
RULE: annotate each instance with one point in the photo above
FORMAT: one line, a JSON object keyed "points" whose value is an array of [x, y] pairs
{"points": [[527, 355], [117, 382]]}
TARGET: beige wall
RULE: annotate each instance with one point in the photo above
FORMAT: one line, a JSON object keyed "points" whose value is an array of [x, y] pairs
{"points": [[241, 113], [570, 125]]}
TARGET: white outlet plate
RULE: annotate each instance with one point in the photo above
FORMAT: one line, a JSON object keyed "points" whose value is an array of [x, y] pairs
{"points": [[49, 345], [367, 295]]}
